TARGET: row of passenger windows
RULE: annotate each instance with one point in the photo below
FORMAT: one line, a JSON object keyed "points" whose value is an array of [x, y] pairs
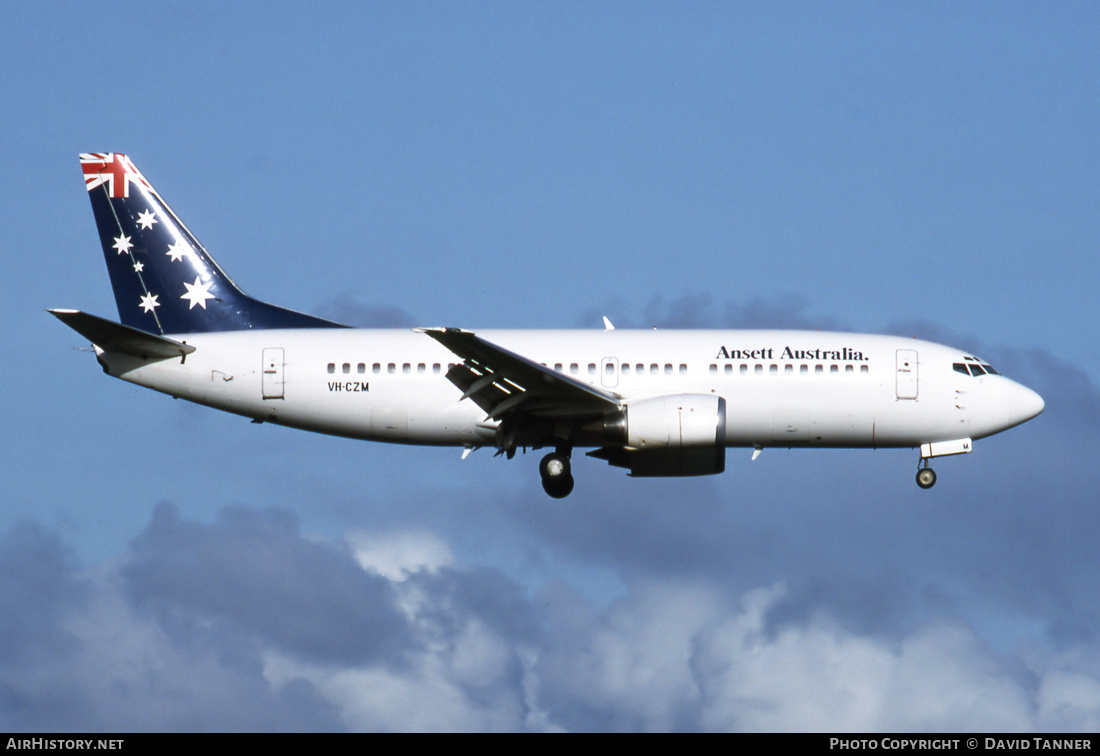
{"points": [[609, 368], [787, 369], [391, 367], [669, 369]]}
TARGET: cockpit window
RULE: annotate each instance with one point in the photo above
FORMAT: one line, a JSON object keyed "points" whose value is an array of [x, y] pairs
{"points": [[975, 367]]}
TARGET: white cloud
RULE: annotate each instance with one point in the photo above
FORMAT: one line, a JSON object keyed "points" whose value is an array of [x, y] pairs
{"points": [[821, 677], [396, 555]]}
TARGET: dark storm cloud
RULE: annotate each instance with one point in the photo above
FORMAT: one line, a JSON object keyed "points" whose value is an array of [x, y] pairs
{"points": [[254, 570]]}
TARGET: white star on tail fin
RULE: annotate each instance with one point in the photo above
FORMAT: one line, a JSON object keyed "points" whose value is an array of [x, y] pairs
{"points": [[178, 251], [147, 219], [149, 302], [197, 293]]}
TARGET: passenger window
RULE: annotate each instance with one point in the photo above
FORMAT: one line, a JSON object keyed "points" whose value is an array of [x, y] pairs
{"points": [[654, 368], [376, 368], [332, 367], [406, 368], [760, 370], [626, 368], [609, 369], [574, 368], [391, 368], [435, 367], [819, 369], [744, 370], [774, 370], [849, 369], [668, 368], [834, 369], [864, 369], [557, 367], [788, 369], [804, 369], [683, 369], [591, 368], [346, 368], [421, 368]]}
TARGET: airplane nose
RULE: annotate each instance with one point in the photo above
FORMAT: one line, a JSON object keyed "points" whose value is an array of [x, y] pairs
{"points": [[1023, 404]]}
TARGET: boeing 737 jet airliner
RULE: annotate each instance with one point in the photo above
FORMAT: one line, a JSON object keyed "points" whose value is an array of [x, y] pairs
{"points": [[658, 403]]}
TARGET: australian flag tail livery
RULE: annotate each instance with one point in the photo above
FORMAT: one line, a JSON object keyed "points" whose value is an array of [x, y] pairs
{"points": [[164, 280]]}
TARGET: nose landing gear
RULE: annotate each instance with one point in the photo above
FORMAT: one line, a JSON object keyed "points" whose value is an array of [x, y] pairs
{"points": [[926, 478], [557, 476]]}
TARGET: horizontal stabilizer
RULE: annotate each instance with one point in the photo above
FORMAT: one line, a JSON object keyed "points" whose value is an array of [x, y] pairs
{"points": [[115, 337]]}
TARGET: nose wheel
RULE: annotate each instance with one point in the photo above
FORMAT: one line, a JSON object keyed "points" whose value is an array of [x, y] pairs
{"points": [[557, 476], [926, 476]]}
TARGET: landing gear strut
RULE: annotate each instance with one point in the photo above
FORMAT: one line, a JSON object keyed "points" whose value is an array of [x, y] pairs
{"points": [[926, 476], [557, 476]]}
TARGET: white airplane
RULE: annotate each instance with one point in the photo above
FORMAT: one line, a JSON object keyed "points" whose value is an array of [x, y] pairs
{"points": [[656, 402]]}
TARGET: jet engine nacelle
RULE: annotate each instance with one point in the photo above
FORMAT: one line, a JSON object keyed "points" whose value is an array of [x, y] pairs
{"points": [[682, 434], [680, 420]]}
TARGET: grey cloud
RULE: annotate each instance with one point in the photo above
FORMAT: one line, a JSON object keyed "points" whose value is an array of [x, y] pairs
{"points": [[37, 588], [699, 310], [75, 656], [347, 309], [681, 652], [252, 569]]}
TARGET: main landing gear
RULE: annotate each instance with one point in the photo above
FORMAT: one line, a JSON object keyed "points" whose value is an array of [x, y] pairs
{"points": [[557, 475], [926, 476]]}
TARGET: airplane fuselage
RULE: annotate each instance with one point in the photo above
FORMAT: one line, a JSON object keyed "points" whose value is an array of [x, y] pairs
{"points": [[781, 388]]}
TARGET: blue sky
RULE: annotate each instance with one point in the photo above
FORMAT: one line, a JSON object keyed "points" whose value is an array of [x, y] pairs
{"points": [[919, 168]]}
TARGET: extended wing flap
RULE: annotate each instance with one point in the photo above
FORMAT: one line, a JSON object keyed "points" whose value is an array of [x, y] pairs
{"points": [[480, 388], [115, 337], [501, 381]]}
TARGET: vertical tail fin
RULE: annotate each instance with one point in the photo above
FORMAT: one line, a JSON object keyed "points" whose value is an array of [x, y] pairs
{"points": [[164, 280]]}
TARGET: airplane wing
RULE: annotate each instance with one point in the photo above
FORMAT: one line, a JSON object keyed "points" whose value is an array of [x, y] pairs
{"points": [[502, 382]]}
